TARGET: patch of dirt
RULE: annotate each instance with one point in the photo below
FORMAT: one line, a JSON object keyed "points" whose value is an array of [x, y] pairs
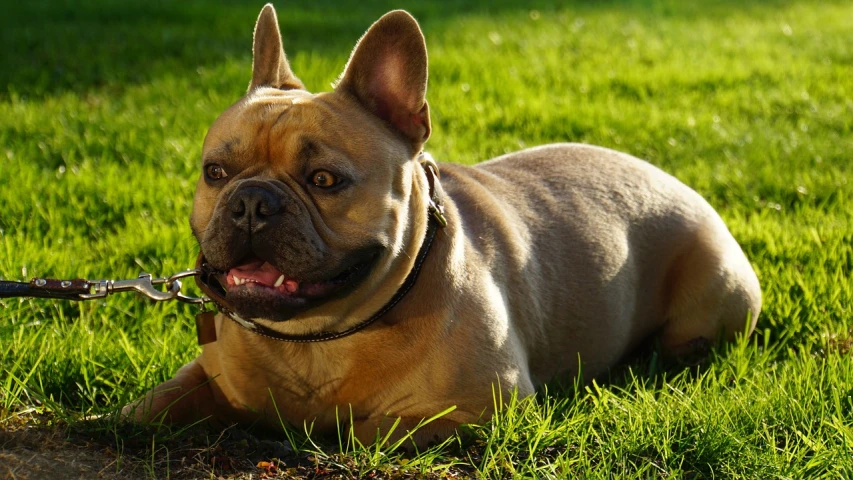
{"points": [[37, 453], [44, 448]]}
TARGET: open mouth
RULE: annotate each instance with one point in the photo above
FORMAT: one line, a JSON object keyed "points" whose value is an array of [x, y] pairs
{"points": [[257, 289], [259, 275]]}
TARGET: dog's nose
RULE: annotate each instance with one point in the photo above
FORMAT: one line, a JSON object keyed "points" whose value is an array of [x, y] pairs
{"points": [[252, 207]]}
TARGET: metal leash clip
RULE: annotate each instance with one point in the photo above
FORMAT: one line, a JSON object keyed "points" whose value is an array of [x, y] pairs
{"points": [[146, 285]]}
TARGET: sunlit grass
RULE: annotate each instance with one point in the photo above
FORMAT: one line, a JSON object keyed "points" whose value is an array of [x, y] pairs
{"points": [[103, 108]]}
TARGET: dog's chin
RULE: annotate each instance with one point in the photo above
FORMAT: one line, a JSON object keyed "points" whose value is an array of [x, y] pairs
{"points": [[256, 289], [259, 302]]}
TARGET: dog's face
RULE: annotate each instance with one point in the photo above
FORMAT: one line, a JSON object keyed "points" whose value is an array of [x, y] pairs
{"points": [[304, 200]]}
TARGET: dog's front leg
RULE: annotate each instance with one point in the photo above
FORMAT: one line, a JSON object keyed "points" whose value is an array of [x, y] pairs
{"points": [[186, 398]]}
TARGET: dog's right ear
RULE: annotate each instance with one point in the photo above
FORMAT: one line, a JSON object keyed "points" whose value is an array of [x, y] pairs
{"points": [[269, 64], [387, 73]]}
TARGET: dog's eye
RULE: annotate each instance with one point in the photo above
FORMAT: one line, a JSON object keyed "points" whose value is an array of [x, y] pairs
{"points": [[324, 179], [214, 172]]}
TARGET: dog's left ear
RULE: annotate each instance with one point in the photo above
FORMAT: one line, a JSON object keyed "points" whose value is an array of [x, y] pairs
{"points": [[269, 64], [387, 73]]}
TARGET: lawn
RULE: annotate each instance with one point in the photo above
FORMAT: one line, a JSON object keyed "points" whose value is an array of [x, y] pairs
{"points": [[103, 108]]}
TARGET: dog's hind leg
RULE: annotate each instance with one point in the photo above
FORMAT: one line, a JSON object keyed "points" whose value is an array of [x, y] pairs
{"points": [[711, 293]]}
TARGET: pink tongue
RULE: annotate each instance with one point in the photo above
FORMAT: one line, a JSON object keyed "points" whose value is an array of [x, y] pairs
{"points": [[259, 271]]}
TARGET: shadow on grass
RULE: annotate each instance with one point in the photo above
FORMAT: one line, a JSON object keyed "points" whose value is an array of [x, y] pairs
{"points": [[56, 46], [645, 367]]}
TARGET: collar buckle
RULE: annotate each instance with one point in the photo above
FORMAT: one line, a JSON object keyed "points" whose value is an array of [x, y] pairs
{"points": [[437, 212], [435, 208]]}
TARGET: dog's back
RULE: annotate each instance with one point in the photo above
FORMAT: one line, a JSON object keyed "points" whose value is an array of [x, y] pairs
{"points": [[613, 248]]}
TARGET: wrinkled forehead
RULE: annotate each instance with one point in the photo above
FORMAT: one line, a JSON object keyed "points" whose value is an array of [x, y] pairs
{"points": [[285, 120], [257, 116]]}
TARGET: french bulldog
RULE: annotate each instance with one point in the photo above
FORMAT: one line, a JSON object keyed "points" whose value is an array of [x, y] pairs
{"points": [[359, 285]]}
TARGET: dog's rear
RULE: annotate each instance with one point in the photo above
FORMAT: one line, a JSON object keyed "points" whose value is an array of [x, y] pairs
{"points": [[618, 251]]}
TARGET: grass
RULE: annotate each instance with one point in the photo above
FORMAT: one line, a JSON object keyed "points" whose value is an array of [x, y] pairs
{"points": [[103, 107]]}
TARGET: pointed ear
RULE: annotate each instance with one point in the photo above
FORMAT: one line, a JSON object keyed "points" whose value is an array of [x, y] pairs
{"points": [[387, 73], [269, 65]]}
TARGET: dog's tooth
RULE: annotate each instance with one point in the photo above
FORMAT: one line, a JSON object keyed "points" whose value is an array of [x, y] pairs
{"points": [[279, 281], [239, 281]]}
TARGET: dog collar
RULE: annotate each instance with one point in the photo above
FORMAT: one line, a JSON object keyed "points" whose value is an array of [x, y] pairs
{"points": [[205, 323]]}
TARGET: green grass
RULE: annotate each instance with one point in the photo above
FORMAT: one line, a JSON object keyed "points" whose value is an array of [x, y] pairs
{"points": [[103, 107]]}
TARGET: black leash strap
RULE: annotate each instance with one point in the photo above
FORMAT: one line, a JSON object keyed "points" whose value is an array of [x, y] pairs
{"points": [[46, 288]]}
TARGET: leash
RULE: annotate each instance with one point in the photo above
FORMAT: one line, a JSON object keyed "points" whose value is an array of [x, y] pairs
{"points": [[145, 284], [170, 287], [79, 289]]}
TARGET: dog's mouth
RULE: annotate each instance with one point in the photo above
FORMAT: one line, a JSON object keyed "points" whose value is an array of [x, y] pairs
{"points": [[255, 288], [255, 274]]}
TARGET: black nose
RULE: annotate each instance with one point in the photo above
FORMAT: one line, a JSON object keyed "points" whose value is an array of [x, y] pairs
{"points": [[253, 207]]}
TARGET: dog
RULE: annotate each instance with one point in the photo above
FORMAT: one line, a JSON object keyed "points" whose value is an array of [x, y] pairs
{"points": [[359, 285]]}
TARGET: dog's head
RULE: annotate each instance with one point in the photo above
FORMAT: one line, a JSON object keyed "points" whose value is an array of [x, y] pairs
{"points": [[313, 202]]}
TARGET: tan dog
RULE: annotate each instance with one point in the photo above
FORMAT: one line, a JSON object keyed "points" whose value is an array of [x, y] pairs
{"points": [[316, 218]]}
